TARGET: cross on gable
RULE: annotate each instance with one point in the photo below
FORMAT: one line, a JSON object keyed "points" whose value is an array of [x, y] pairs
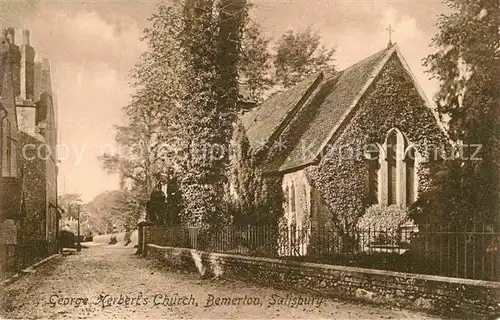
{"points": [[4, 38], [390, 30]]}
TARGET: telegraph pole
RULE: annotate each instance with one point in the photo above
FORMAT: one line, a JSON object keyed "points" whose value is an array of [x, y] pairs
{"points": [[78, 245]]}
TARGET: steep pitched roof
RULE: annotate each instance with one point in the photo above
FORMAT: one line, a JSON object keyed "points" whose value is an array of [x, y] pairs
{"points": [[340, 98], [263, 123], [327, 101]]}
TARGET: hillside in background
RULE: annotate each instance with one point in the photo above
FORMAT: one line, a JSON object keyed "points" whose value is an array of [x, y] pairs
{"points": [[107, 209]]}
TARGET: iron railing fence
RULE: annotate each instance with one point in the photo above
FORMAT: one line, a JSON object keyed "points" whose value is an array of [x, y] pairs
{"points": [[471, 252]]}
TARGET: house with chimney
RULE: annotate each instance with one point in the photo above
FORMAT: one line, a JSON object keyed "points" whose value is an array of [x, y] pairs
{"points": [[10, 181], [342, 142], [28, 195]]}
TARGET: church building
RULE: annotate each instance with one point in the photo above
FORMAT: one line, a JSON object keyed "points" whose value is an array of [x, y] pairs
{"points": [[345, 141]]}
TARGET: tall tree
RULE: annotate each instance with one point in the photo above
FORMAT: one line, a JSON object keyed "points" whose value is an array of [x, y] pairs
{"points": [[67, 200], [467, 63], [200, 53], [299, 55], [107, 209], [211, 48], [147, 142], [139, 161], [255, 63]]}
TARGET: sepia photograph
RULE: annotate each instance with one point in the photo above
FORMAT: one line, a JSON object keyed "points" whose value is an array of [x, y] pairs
{"points": [[250, 159]]}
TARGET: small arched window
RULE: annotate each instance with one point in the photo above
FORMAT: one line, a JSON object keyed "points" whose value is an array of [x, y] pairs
{"points": [[410, 176], [392, 142], [373, 166]]}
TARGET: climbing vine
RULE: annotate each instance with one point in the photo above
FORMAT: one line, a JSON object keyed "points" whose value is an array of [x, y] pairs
{"points": [[391, 102], [210, 45], [33, 172], [255, 199]]}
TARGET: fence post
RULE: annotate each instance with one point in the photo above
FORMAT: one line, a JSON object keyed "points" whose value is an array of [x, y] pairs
{"points": [[193, 236], [146, 235], [140, 230], [144, 239]]}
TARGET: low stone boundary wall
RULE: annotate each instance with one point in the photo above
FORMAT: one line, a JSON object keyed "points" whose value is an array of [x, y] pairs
{"points": [[457, 297]]}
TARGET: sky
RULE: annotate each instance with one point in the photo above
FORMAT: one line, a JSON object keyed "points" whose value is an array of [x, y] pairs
{"points": [[93, 45]]}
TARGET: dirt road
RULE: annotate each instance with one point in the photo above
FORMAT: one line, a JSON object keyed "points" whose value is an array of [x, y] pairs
{"points": [[110, 282]]}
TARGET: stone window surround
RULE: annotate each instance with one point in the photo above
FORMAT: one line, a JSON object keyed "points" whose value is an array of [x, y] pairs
{"points": [[296, 220], [403, 148], [302, 200]]}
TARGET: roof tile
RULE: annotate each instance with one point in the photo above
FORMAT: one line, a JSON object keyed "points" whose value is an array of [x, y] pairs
{"points": [[330, 112], [309, 112], [262, 122]]}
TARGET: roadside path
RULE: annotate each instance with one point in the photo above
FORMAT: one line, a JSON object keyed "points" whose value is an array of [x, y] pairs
{"points": [[110, 282]]}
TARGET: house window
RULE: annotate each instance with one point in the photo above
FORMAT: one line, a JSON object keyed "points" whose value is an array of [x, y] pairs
{"points": [[292, 198], [410, 176], [392, 141], [373, 166]]}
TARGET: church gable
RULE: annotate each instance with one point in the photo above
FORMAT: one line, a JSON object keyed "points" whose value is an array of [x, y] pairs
{"points": [[375, 102], [393, 100], [330, 108], [304, 138], [391, 112]]}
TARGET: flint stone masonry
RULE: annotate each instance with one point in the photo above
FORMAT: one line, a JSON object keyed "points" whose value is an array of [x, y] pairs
{"points": [[457, 297]]}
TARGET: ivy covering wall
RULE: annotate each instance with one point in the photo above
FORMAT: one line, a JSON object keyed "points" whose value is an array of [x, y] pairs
{"points": [[252, 198], [33, 171], [391, 102]]}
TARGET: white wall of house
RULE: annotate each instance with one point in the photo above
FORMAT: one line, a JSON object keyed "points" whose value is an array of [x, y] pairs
{"points": [[297, 212]]}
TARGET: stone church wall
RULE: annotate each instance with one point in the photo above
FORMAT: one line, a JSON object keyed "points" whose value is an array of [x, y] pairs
{"points": [[392, 101], [458, 298]]}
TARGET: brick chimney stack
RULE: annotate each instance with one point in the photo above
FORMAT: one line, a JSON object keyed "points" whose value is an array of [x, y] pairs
{"points": [[25, 104], [46, 82], [14, 57], [27, 78], [11, 35]]}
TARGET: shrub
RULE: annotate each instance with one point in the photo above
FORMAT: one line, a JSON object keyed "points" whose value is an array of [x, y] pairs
{"points": [[381, 224]]}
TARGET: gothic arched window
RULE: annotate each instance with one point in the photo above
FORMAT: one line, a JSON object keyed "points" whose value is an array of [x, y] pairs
{"points": [[410, 176], [373, 166], [392, 187]]}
